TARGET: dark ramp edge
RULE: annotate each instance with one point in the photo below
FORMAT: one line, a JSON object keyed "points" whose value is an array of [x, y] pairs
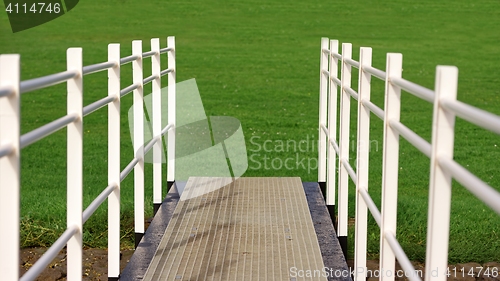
{"points": [[143, 255], [331, 251]]}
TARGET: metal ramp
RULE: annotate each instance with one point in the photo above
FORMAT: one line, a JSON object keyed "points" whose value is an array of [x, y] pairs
{"points": [[250, 229]]}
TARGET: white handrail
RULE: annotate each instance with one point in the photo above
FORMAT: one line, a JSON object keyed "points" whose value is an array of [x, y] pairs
{"points": [[47, 129], [412, 137], [98, 201], [11, 142], [5, 92], [402, 258], [50, 254], [46, 81], [412, 88], [6, 149], [474, 115], [475, 185], [89, 69], [97, 104], [373, 108], [440, 151]]}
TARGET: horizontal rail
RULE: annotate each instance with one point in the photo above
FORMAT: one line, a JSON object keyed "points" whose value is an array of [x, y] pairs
{"points": [[149, 54], [349, 170], [166, 129], [403, 260], [374, 72], [370, 204], [416, 140], [474, 184], [98, 104], [45, 81], [149, 79], [6, 91], [48, 256], [351, 92], [352, 62], [336, 80], [325, 72], [128, 89], [164, 50], [97, 202], [336, 55], [335, 146], [166, 71], [332, 142], [89, 69], [150, 144], [47, 129], [373, 108], [326, 51], [323, 127], [6, 149], [129, 168], [128, 59], [474, 115], [414, 89]]}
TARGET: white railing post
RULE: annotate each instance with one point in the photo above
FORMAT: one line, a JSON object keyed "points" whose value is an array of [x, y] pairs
{"points": [[75, 164], [114, 163], [171, 111], [345, 115], [158, 147], [443, 134], [10, 168], [323, 106], [363, 151], [138, 141], [390, 164], [332, 132]]}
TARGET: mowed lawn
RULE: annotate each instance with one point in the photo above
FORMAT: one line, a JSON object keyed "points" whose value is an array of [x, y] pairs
{"points": [[258, 61]]}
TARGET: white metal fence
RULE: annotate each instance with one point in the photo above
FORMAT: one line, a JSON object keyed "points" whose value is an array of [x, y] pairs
{"points": [[11, 143], [442, 166]]}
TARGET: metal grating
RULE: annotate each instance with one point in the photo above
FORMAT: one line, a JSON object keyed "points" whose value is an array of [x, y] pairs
{"points": [[250, 229]]}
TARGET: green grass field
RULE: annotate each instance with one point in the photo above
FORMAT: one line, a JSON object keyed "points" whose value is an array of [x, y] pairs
{"points": [[258, 61]]}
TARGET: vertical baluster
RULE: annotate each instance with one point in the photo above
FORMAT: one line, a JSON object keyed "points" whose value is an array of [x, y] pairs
{"points": [[363, 151], [114, 163], [345, 115], [138, 141], [75, 164], [171, 111], [443, 135], [156, 106], [332, 132], [10, 168], [390, 164], [323, 107]]}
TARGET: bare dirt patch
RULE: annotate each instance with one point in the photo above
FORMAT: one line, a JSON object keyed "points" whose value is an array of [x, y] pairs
{"points": [[95, 263]]}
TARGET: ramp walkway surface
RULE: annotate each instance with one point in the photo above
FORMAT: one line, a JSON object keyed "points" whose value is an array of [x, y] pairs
{"points": [[249, 229]]}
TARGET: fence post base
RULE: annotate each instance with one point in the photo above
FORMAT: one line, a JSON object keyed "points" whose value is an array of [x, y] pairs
{"points": [[138, 237], [322, 186], [156, 207], [343, 245], [333, 217], [169, 185]]}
